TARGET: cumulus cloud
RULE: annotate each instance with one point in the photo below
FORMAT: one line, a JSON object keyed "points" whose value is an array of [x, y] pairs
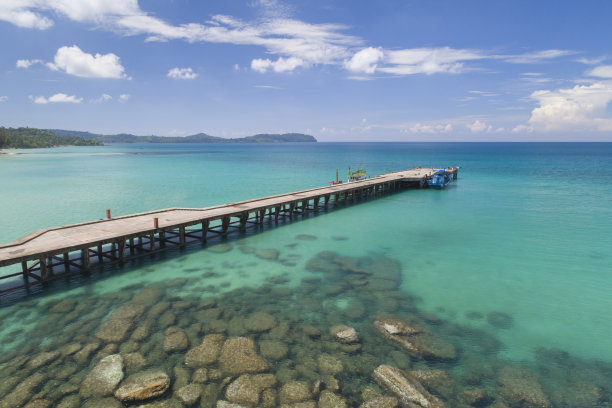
{"points": [[280, 65], [428, 60], [3, 98], [536, 57], [181, 73], [124, 98], [74, 61], [602, 71], [365, 60], [25, 63], [582, 107], [101, 99], [477, 127], [430, 128], [57, 98]]}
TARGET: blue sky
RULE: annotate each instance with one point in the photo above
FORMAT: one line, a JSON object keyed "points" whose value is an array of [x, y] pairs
{"points": [[340, 70]]}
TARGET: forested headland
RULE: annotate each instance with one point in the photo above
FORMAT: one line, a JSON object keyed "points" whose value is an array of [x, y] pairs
{"points": [[25, 138]]}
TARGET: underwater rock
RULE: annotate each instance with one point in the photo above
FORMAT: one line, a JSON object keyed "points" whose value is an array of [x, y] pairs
{"points": [[70, 401], [267, 254], [166, 403], [220, 248], [418, 342], [324, 265], [116, 328], [311, 332], [294, 391], [175, 339], [181, 377], [157, 310], [134, 362], [199, 376], [305, 237], [272, 349], [268, 398], [303, 404], [167, 319], [102, 403], [148, 296], [260, 322], [344, 334], [206, 353], [70, 349], [436, 381], [521, 388], [42, 359], [142, 331], [226, 404], [476, 397], [142, 386], [103, 378], [329, 364], [189, 394], [107, 351], [238, 356], [328, 399], [64, 306], [247, 388], [83, 355], [381, 402], [23, 392], [406, 388], [500, 320], [39, 403]]}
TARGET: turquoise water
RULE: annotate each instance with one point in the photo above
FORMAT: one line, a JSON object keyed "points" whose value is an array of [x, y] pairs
{"points": [[523, 235]]}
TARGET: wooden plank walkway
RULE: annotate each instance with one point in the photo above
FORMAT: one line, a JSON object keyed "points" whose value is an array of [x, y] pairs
{"points": [[116, 239]]}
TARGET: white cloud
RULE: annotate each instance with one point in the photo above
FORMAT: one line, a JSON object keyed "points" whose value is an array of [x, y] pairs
{"points": [[3, 98], [591, 61], [522, 128], [74, 61], [181, 73], [429, 128], [57, 98], [18, 12], [580, 108], [124, 98], [365, 60], [25, 63], [280, 65], [101, 99], [478, 127], [428, 60], [536, 57], [602, 71]]}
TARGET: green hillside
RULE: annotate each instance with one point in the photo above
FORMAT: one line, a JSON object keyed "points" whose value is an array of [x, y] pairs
{"points": [[23, 138]]}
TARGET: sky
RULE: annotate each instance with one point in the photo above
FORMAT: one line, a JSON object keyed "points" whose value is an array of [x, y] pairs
{"points": [[340, 70]]}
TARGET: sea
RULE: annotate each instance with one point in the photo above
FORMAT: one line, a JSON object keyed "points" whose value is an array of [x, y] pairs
{"points": [[510, 268]]}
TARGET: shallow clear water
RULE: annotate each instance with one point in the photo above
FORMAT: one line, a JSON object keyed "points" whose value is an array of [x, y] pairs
{"points": [[514, 258]]}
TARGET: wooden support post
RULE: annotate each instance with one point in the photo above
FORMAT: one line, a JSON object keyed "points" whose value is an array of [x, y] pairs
{"points": [[316, 202], [277, 212], [100, 256], [291, 207], [243, 220], [24, 270], [85, 256], [108, 215], [43, 269], [156, 223], [182, 235], [67, 262], [225, 223], [304, 206], [152, 241], [121, 250], [205, 225], [262, 214], [326, 199], [131, 246]]}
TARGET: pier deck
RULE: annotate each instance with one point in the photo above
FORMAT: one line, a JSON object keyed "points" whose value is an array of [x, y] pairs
{"points": [[115, 239]]}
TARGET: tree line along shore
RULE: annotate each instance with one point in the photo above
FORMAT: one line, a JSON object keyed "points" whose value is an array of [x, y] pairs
{"points": [[26, 137]]}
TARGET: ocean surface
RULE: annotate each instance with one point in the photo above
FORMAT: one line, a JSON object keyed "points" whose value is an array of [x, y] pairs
{"points": [[511, 266]]}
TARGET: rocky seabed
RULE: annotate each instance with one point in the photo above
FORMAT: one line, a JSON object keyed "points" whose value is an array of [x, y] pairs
{"points": [[345, 337]]}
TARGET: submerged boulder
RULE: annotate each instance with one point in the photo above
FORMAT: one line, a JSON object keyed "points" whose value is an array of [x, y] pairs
{"points": [[521, 388], [206, 353], [103, 378], [175, 339], [247, 388], [238, 356], [344, 334], [418, 342], [119, 323], [260, 322], [405, 387], [142, 386]]}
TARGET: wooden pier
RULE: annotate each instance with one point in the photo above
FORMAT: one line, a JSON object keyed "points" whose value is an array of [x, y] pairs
{"points": [[57, 252]]}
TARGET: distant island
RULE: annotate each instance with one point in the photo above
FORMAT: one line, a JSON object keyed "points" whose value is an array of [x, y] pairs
{"points": [[197, 138], [26, 137]]}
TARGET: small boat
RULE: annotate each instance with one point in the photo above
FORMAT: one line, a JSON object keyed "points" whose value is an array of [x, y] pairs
{"points": [[439, 179], [356, 175]]}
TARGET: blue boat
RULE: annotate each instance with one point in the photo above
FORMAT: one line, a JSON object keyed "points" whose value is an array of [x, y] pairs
{"points": [[439, 179]]}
